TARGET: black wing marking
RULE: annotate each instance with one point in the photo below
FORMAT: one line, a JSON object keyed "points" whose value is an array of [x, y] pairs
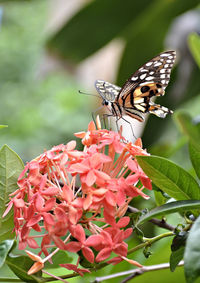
{"points": [[157, 70]]}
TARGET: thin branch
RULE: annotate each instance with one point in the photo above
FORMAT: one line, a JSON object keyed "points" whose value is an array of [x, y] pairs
{"points": [[161, 223], [150, 241], [144, 269], [136, 272], [55, 277]]}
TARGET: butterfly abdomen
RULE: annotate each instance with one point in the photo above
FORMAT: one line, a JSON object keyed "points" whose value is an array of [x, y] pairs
{"points": [[116, 109]]}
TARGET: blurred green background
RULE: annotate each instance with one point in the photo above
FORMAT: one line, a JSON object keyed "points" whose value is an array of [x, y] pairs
{"points": [[49, 49]]}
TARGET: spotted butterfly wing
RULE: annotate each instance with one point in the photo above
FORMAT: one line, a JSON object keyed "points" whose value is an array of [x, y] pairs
{"points": [[149, 80], [107, 91], [133, 99]]}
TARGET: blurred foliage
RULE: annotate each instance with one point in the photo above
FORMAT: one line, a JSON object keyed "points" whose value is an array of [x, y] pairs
{"points": [[40, 110], [43, 110], [194, 43]]}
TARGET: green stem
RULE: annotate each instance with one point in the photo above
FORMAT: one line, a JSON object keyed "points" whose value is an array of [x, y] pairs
{"points": [[9, 280], [150, 241]]}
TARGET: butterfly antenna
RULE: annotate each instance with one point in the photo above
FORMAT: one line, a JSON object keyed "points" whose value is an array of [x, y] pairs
{"points": [[91, 94]]}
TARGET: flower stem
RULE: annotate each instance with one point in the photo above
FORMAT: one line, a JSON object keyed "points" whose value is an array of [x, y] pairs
{"points": [[150, 241]]}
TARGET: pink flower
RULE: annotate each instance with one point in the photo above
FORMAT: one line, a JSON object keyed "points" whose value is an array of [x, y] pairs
{"points": [[111, 240], [64, 194], [89, 171]]}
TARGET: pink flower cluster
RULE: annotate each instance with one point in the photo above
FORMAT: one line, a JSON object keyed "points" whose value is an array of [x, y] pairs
{"points": [[65, 193]]}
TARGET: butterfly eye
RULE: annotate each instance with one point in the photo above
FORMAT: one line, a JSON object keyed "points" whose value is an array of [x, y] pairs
{"points": [[105, 102]]}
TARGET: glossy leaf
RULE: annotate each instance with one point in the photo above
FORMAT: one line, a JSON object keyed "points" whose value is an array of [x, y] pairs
{"points": [[5, 247], [94, 26], [170, 178], [10, 167], [177, 248], [20, 265], [179, 240], [176, 257], [194, 150], [194, 44], [192, 253], [168, 208]]}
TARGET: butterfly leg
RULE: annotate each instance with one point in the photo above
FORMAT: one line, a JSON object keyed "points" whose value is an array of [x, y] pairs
{"points": [[104, 119], [117, 119], [93, 118]]}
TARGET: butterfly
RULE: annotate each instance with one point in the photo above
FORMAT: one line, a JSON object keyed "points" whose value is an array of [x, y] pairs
{"points": [[134, 98]]}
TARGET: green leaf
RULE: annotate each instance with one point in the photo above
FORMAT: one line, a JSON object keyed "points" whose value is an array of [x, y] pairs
{"points": [[192, 253], [20, 265], [194, 150], [159, 198], [10, 167], [178, 247], [169, 177], [94, 26], [5, 247], [60, 256], [168, 208], [176, 257], [179, 240], [194, 44]]}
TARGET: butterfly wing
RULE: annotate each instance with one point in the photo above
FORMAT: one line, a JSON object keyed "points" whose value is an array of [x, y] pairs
{"points": [[107, 91], [149, 80]]}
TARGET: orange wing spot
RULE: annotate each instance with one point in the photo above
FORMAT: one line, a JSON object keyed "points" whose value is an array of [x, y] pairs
{"points": [[154, 107], [137, 92], [151, 108], [152, 90]]}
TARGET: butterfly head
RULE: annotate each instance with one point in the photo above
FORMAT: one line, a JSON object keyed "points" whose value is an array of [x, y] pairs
{"points": [[105, 102]]}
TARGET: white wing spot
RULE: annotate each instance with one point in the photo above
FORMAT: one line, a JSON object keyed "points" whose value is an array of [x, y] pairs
{"points": [[163, 82], [151, 73], [163, 76], [169, 61], [143, 76], [146, 83], [166, 65], [164, 55], [149, 64], [157, 64], [149, 78], [143, 70], [162, 71], [134, 78]]}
